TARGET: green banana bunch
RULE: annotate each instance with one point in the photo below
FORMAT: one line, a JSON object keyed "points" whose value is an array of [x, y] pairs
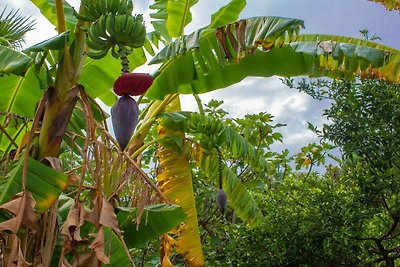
{"points": [[115, 30], [94, 9]]}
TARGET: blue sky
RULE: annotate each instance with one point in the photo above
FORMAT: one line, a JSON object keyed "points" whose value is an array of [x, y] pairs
{"points": [[253, 95]]}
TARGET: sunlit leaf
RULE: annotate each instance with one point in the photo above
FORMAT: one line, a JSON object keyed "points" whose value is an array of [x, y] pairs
{"points": [[48, 10], [262, 47], [13, 62], [175, 180], [57, 42], [227, 14], [179, 16], [20, 94], [389, 4]]}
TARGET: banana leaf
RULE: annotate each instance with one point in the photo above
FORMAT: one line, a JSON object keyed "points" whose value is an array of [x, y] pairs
{"points": [[156, 220], [13, 62], [45, 184]]}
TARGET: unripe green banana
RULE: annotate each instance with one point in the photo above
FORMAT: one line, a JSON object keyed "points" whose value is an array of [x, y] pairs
{"points": [[129, 27], [114, 6], [96, 54], [102, 6], [110, 26], [97, 45], [123, 6], [102, 28]]}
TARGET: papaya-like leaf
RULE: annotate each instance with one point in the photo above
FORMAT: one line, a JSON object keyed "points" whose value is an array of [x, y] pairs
{"points": [[227, 14], [13, 62], [45, 183], [159, 21], [156, 220], [48, 10], [57, 42]]}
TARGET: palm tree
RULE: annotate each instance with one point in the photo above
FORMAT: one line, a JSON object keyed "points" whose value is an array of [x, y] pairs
{"points": [[58, 154], [13, 28]]}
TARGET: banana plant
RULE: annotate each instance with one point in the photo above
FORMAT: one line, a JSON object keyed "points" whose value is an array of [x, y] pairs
{"points": [[50, 120]]}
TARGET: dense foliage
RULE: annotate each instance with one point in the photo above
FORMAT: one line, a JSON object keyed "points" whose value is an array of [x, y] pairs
{"points": [[347, 216], [73, 195]]}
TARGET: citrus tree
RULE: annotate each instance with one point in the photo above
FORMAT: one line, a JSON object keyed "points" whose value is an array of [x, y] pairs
{"points": [[72, 194]]}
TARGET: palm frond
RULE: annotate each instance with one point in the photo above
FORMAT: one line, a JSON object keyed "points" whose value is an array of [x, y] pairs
{"points": [[13, 28]]}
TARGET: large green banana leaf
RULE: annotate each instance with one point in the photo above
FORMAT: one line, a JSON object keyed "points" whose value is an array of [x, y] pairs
{"points": [[217, 59], [227, 14], [13, 62], [20, 94], [172, 16], [119, 256], [155, 221], [179, 16], [45, 184], [48, 10]]}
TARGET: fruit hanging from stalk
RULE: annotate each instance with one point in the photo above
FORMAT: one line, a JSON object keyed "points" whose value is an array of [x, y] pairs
{"points": [[124, 117], [125, 112], [133, 84], [221, 197]]}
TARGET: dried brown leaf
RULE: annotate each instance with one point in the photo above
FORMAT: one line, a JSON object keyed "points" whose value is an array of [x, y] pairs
{"points": [[87, 260], [22, 206], [98, 247], [54, 162], [13, 256], [106, 216], [74, 221]]}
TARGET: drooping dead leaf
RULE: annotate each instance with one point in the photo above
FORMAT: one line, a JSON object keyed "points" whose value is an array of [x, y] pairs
{"points": [[106, 216], [87, 260], [327, 46], [167, 242], [98, 247], [74, 221], [55, 163], [22, 206], [13, 256]]}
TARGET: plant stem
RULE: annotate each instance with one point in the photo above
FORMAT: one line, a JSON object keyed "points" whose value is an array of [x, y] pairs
{"points": [[61, 27], [146, 145]]}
